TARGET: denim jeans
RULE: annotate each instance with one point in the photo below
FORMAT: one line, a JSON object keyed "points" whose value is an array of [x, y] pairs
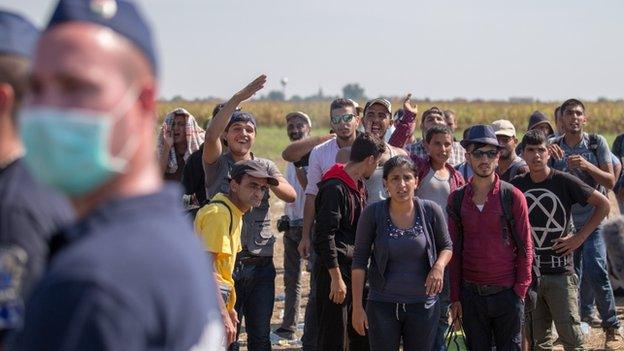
{"points": [[255, 295], [499, 315], [590, 262], [389, 322], [292, 279]]}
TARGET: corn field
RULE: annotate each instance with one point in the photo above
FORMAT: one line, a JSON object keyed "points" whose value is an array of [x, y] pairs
{"points": [[604, 117]]}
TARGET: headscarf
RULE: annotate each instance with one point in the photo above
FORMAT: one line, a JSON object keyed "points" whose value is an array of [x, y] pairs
{"points": [[194, 137]]}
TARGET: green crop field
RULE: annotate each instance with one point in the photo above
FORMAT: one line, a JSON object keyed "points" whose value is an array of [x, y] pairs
{"points": [[603, 116], [606, 118]]}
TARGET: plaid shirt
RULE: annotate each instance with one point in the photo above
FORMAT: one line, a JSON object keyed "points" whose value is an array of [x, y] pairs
{"points": [[457, 152]]}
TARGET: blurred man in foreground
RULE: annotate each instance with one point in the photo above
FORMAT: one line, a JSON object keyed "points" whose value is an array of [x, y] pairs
{"points": [[130, 275]]}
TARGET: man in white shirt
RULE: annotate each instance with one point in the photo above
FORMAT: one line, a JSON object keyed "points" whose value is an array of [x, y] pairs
{"points": [[298, 127], [344, 122]]}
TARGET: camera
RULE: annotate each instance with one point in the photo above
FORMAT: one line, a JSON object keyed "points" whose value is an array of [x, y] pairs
{"points": [[283, 223]]}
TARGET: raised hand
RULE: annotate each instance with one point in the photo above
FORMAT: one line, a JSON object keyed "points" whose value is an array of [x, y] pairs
{"points": [[167, 135], [407, 105], [251, 89]]}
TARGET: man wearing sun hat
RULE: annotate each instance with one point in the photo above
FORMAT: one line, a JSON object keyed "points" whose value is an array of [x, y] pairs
{"points": [[298, 127], [488, 287], [29, 212], [509, 164], [130, 275]]}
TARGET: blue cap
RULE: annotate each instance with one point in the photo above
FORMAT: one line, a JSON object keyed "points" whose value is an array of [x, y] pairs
{"points": [[480, 133], [241, 116], [122, 16], [17, 35]]}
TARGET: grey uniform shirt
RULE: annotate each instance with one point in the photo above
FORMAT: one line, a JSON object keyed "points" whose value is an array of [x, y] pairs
{"points": [[257, 235]]}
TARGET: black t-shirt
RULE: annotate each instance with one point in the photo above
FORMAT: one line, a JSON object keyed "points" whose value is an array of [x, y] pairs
{"points": [[193, 176], [304, 162], [550, 203]]}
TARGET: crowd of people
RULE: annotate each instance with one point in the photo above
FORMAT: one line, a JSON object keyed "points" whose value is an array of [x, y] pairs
{"points": [[112, 239]]}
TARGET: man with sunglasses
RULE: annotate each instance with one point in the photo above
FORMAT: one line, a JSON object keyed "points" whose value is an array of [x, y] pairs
{"points": [[344, 122], [489, 274], [377, 119]]}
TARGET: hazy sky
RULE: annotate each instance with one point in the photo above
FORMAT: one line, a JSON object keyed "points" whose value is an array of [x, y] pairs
{"points": [[548, 49]]}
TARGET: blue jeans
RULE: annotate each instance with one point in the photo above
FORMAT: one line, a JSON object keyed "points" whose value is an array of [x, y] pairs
{"points": [[499, 315], [590, 262], [390, 322], [255, 295]]}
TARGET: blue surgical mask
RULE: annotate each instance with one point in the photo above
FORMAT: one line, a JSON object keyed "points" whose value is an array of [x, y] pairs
{"points": [[69, 149]]}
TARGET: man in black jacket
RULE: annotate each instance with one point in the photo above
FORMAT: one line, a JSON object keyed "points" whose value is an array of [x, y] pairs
{"points": [[339, 202]]}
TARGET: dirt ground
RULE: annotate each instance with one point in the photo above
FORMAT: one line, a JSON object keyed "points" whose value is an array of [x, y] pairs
{"points": [[594, 342]]}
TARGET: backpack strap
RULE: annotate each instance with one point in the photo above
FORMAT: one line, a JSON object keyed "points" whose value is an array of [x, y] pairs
{"points": [[617, 146], [228, 208], [506, 193], [593, 144], [515, 166], [453, 209], [557, 140]]}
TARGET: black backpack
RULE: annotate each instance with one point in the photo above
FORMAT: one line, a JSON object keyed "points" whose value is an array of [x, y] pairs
{"points": [[618, 145], [593, 143], [193, 213], [506, 190]]}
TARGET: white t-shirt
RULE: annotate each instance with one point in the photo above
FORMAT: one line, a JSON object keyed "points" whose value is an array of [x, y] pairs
{"points": [[294, 210], [322, 157]]}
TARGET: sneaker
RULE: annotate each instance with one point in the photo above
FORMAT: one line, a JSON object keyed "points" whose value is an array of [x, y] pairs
{"points": [[284, 334], [592, 320], [613, 339]]}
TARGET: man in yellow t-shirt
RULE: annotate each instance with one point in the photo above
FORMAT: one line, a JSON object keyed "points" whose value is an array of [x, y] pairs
{"points": [[219, 224]]}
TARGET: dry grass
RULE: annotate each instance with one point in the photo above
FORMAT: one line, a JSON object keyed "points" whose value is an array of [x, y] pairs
{"points": [[604, 116]]}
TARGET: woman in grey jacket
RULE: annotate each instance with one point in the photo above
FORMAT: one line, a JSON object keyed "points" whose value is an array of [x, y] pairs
{"points": [[407, 242]]}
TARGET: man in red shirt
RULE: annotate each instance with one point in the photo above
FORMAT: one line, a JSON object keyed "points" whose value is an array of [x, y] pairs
{"points": [[489, 273]]}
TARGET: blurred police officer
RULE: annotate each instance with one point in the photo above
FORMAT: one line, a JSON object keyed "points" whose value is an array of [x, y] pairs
{"points": [[29, 213], [130, 275]]}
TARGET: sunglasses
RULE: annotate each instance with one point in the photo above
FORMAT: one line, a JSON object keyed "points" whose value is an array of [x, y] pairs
{"points": [[479, 154], [346, 118]]}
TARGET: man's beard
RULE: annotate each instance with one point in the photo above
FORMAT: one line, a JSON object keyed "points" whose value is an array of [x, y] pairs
{"points": [[476, 172], [505, 155], [345, 138], [297, 136]]}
